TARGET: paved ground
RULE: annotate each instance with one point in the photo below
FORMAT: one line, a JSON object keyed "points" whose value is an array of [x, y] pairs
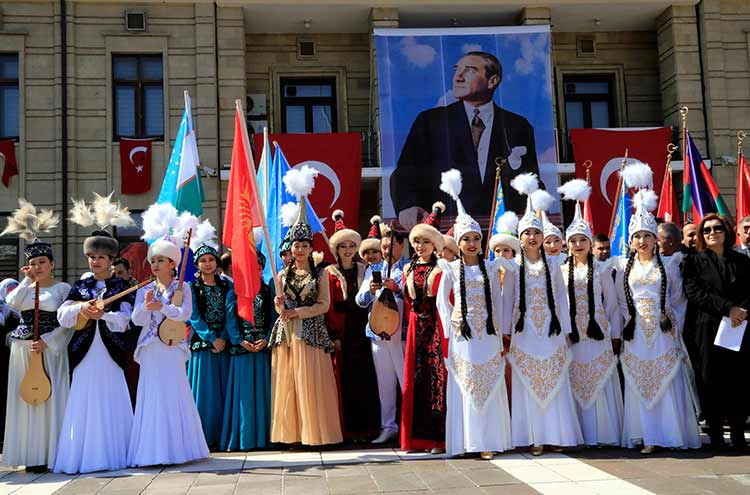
{"points": [[585, 472]]}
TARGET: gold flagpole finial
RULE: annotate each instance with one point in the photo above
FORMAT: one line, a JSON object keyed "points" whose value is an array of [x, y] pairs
{"points": [[683, 113], [740, 138], [587, 165], [671, 148]]}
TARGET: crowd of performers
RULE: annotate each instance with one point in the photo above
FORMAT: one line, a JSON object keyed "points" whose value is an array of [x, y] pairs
{"points": [[529, 348]]}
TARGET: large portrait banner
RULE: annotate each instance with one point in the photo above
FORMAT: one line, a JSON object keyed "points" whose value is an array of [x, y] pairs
{"points": [[465, 98]]}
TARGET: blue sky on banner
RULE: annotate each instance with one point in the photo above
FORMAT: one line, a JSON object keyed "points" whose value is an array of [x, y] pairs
{"points": [[623, 211]]}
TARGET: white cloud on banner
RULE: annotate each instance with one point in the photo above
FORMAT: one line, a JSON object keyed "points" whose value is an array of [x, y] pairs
{"points": [[418, 54], [471, 47], [534, 54], [446, 99]]}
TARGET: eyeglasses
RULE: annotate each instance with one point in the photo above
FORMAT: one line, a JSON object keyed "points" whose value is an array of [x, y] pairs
{"points": [[719, 229]]}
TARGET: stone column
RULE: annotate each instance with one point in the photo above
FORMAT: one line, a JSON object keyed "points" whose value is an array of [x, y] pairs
{"points": [[531, 16], [380, 17], [679, 70]]}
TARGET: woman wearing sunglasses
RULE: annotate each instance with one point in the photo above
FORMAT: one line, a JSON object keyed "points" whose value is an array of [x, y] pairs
{"points": [[715, 281]]}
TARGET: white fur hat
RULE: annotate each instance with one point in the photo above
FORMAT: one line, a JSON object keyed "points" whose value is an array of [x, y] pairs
{"points": [[166, 248], [645, 202]]}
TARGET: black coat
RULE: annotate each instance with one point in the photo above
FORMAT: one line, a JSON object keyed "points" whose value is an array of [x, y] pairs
{"points": [[439, 140], [713, 285]]}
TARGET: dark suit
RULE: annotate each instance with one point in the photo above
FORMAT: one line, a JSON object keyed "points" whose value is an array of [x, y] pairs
{"points": [[439, 140]]}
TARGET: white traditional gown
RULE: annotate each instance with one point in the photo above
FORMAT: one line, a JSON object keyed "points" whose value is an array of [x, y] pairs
{"points": [[543, 408], [99, 416], [31, 432], [166, 428], [593, 370], [659, 401], [477, 415]]}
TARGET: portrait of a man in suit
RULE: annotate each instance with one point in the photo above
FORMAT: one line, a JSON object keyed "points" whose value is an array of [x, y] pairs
{"points": [[472, 135]]}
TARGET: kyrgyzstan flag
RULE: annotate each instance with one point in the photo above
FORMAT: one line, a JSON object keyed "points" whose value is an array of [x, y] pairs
{"points": [[743, 192], [242, 214], [668, 209], [135, 165]]}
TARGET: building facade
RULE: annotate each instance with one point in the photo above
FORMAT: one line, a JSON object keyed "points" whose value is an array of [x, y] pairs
{"points": [[75, 76]]}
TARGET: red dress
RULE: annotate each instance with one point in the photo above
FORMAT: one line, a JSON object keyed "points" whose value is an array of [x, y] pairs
{"points": [[425, 374], [357, 382]]}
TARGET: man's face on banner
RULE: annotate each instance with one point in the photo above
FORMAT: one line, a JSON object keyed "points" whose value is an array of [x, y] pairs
{"points": [[470, 82]]}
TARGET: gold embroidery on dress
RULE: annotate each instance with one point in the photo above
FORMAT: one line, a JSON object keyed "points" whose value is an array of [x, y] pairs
{"points": [[649, 374], [542, 374], [645, 311], [538, 308], [478, 379], [582, 307], [586, 377]]}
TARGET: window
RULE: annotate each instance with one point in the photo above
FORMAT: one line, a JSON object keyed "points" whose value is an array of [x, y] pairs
{"points": [[589, 103], [138, 86], [308, 105], [9, 262], [9, 98]]}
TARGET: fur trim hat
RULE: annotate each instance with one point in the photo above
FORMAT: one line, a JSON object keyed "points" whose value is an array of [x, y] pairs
{"points": [[373, 237], [506, 228], [102, 212], [450, 243], [429, 228], [342, 233]]}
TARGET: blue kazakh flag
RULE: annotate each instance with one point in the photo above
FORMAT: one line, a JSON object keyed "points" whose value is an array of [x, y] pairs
{"points": [[618, 231], [499, 211], [277, 196]]}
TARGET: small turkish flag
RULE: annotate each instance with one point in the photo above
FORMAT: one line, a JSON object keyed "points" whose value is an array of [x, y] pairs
{"points": [[8, 161], [135, 165]]}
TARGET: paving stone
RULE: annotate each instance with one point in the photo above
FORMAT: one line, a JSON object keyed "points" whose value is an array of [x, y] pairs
{"points": [[306, 486], [346, 470], [220, 478], [403, 480], [352, 484], [132, 483], [509, 490], [212, 490], [83, 486], [438, 480], [492, 476]]}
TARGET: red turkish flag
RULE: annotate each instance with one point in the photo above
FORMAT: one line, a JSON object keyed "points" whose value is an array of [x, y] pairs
{"points": [[743, 193], [10, 167], [135, 165], [241, 216], [668, 209], [338, 159], [606, 149]]}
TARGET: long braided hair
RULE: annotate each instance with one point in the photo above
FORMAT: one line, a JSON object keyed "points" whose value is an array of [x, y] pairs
{"points": [[413, 263], [593, 331], [665, 323], [465, 329], [554, 325]]}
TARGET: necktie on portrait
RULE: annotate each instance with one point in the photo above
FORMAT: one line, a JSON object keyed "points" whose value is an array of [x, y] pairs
{"points": [[477, 128]]}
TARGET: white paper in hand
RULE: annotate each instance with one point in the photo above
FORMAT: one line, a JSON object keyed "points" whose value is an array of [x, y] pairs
{"points": [[730, 337]]}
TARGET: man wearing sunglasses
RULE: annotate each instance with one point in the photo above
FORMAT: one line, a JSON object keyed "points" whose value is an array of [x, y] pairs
{"points": [[743, 231]]}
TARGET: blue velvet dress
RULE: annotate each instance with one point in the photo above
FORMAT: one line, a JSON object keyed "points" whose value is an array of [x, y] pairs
{"points": [[214, 316], [247, 410]]}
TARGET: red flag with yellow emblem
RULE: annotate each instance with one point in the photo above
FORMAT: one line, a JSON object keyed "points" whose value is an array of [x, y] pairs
{"points": [[241, 216]]}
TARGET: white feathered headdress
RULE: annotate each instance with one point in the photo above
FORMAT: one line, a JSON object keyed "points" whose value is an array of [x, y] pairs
{"points": [[451, 183], [300, 182], [643, 219], [577, 190], [527, 184], [27, 222]]}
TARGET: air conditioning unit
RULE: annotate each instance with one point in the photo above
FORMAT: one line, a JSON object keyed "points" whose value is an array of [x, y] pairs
{"points": [[135, 20]]}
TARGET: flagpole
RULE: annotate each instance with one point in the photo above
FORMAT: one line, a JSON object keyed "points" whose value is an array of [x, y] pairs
{"points": [[323, 231], [499, 164], [266, 171], [685, 170], [258, 202], [740, 137], [619, 192]]}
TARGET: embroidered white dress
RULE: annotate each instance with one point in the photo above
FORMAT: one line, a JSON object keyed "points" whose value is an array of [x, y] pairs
{"points": [[31, 432], [593, 370], [477, 416], [99, 416], [543, 408], [166, 428], [659, 402]]}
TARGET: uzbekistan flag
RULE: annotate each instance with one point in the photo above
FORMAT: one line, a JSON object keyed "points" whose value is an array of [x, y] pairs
{"points": [[700, 194]]}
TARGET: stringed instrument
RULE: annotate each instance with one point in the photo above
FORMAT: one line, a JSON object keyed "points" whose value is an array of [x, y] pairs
{"points": [[35, 387], [82, 322], [385, 318], [171, 332]]}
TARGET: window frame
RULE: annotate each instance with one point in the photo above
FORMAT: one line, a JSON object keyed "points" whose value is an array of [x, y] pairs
{"points": [[140, 83], [588, 98], [10, 82], [11, 241], [308, 101]]}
